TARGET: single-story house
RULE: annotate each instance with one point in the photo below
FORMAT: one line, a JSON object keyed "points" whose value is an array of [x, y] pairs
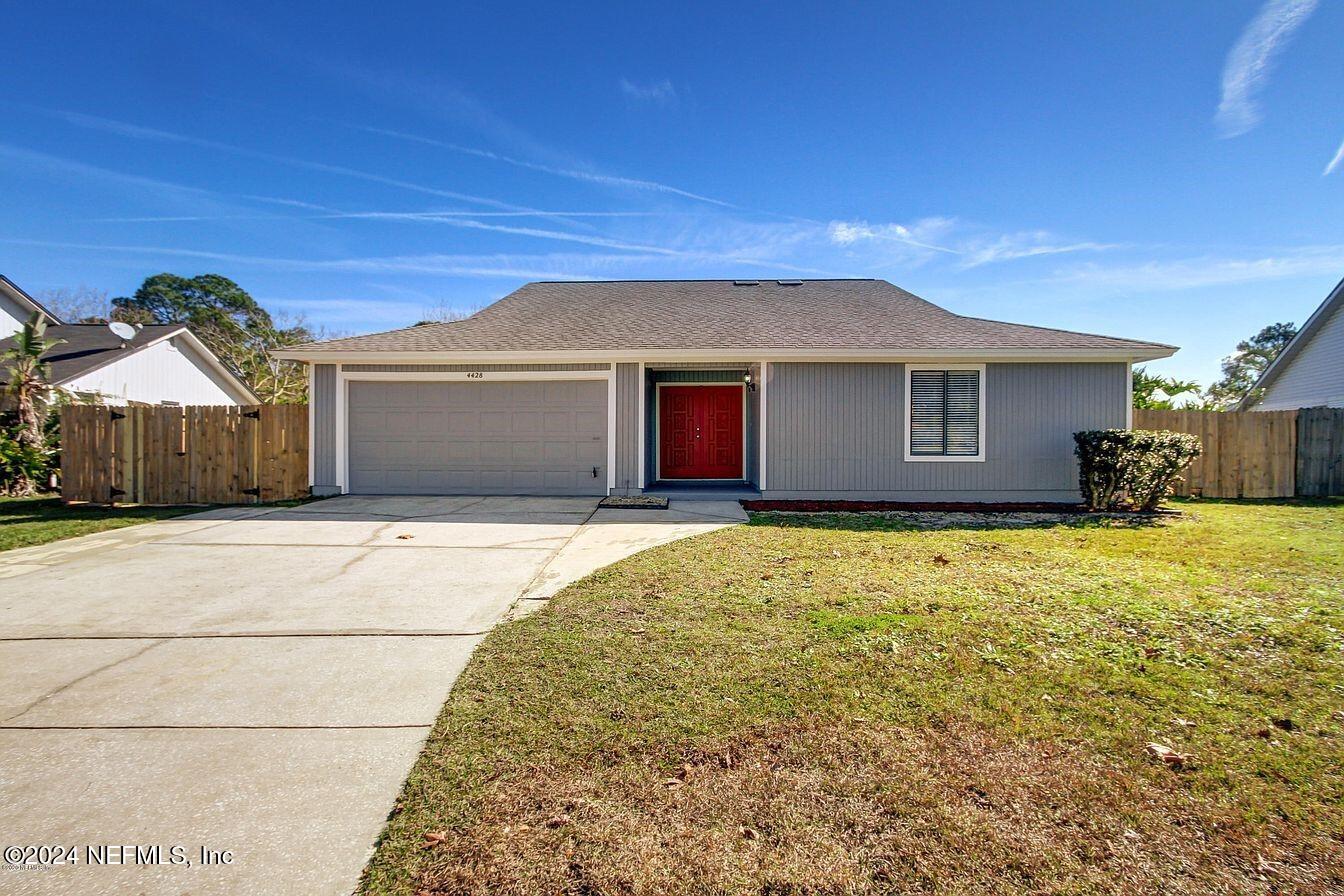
{"points": [[836, 389], [159, 364], [1309, 372]]}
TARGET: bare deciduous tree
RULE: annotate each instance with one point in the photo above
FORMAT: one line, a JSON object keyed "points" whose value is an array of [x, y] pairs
{"points": [[80, 305], [443, 313]]}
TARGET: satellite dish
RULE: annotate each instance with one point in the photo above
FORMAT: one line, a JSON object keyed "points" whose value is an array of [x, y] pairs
{"points": [[121, 330]]}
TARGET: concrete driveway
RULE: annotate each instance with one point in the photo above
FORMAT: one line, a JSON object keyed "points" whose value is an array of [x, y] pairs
{"points": [[258, 681]]}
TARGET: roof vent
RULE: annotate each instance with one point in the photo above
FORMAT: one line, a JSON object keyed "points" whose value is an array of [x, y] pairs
{"points": [[746, 283], [789, 282]]}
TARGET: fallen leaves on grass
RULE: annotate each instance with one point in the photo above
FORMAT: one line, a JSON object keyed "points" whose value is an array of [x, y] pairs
{"points": [[833, 808], [1167, 756]]}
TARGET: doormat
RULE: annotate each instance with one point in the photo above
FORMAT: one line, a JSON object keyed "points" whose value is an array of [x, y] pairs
{"points": [[634, 502]]}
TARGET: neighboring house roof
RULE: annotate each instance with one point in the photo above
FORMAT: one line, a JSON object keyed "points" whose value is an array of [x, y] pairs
{"points": [[1333, 303], [777, 316], [87, 347], [16, 294]]}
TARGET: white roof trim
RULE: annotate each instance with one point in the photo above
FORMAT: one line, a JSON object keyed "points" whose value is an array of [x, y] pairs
{"points": [[635, 355]]}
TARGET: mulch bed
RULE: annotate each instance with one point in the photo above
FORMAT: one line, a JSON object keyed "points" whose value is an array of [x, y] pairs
{"points": [[634, 502]]}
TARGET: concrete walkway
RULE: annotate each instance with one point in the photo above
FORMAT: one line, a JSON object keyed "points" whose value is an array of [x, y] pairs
{"points": [[259, 681]]}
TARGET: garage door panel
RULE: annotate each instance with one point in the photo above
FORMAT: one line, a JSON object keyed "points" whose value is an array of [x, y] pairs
{"points": [[454, 453], [560, 392], [477, 438], [460, 423], [526, 423], [495, 422], [526, 452], [590, 421]]}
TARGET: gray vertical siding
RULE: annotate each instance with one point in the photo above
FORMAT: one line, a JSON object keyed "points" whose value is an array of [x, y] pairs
{"points": [[838, 430], [627, 428], [322, 439]]}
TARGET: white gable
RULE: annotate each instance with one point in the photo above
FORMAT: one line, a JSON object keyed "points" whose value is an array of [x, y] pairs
{"points": [[1314, 376], [169, 371], [12, 316]]}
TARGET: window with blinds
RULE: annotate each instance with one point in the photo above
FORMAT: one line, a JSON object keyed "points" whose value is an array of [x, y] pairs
{"points": [[944, 413]]}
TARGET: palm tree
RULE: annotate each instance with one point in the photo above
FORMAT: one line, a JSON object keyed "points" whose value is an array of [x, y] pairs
{"points": [[28, 379]]}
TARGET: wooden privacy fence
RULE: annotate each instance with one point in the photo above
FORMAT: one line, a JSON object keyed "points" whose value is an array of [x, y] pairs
{"points": [[184, 455], [1259, 454]]}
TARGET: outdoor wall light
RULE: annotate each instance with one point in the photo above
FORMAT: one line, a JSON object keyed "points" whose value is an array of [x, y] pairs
{"points": [[749, 381]]}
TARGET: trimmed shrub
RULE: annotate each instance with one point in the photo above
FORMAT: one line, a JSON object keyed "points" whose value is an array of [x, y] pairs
{"points": [[1131, 467]]}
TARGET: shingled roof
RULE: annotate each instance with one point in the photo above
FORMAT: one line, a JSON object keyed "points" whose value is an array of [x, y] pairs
{"points": [[697, 315], [86, 347]]}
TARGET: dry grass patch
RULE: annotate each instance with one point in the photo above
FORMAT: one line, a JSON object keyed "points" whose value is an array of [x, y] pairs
{"points": [[849, 705], [862, 808]]}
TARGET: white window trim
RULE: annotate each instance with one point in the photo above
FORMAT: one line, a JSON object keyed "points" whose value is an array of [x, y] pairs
{"points": [[943, 458]]}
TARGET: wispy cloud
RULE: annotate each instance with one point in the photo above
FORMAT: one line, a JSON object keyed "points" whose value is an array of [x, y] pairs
{"points": [[290, 203], [1027, 244], [1195, 273], [947, 236], [528, 267], [922, 234], [64, 167], [134, 131], [592, 177], [329, 214], [1334, 163], [1252, 59], [539, 213], [661, 93]]}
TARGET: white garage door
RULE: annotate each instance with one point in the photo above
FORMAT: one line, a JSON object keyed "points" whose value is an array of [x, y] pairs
{"points": [[474, 438]]}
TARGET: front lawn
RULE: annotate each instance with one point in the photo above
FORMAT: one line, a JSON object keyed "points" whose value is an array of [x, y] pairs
{"points": [[844, 704], [29, 521]]}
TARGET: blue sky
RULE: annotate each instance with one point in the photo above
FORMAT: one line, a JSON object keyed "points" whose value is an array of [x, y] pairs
{"points": [[1152, 170]]}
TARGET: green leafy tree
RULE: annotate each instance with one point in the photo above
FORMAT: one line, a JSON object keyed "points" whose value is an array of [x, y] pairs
{"points": [[1158, 392], [1242, 368], [228, 320], [28, 391]]}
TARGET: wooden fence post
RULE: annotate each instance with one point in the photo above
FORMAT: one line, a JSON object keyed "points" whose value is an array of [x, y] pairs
{"points": [[184, 455]]}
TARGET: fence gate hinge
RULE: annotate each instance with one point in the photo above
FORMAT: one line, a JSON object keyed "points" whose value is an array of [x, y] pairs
{"points": [[255, 415], [115, 415], [254, 492], [114, 493]]}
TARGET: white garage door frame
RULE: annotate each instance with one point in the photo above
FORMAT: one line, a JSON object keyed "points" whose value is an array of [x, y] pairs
{"points": [[345, 377]]}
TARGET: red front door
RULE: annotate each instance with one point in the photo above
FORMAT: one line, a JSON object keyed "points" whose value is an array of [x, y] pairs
{"points": [[700, 432]]}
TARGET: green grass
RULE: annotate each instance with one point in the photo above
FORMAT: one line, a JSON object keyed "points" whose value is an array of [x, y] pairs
{"points": [[31, 521], [847, 704]]}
